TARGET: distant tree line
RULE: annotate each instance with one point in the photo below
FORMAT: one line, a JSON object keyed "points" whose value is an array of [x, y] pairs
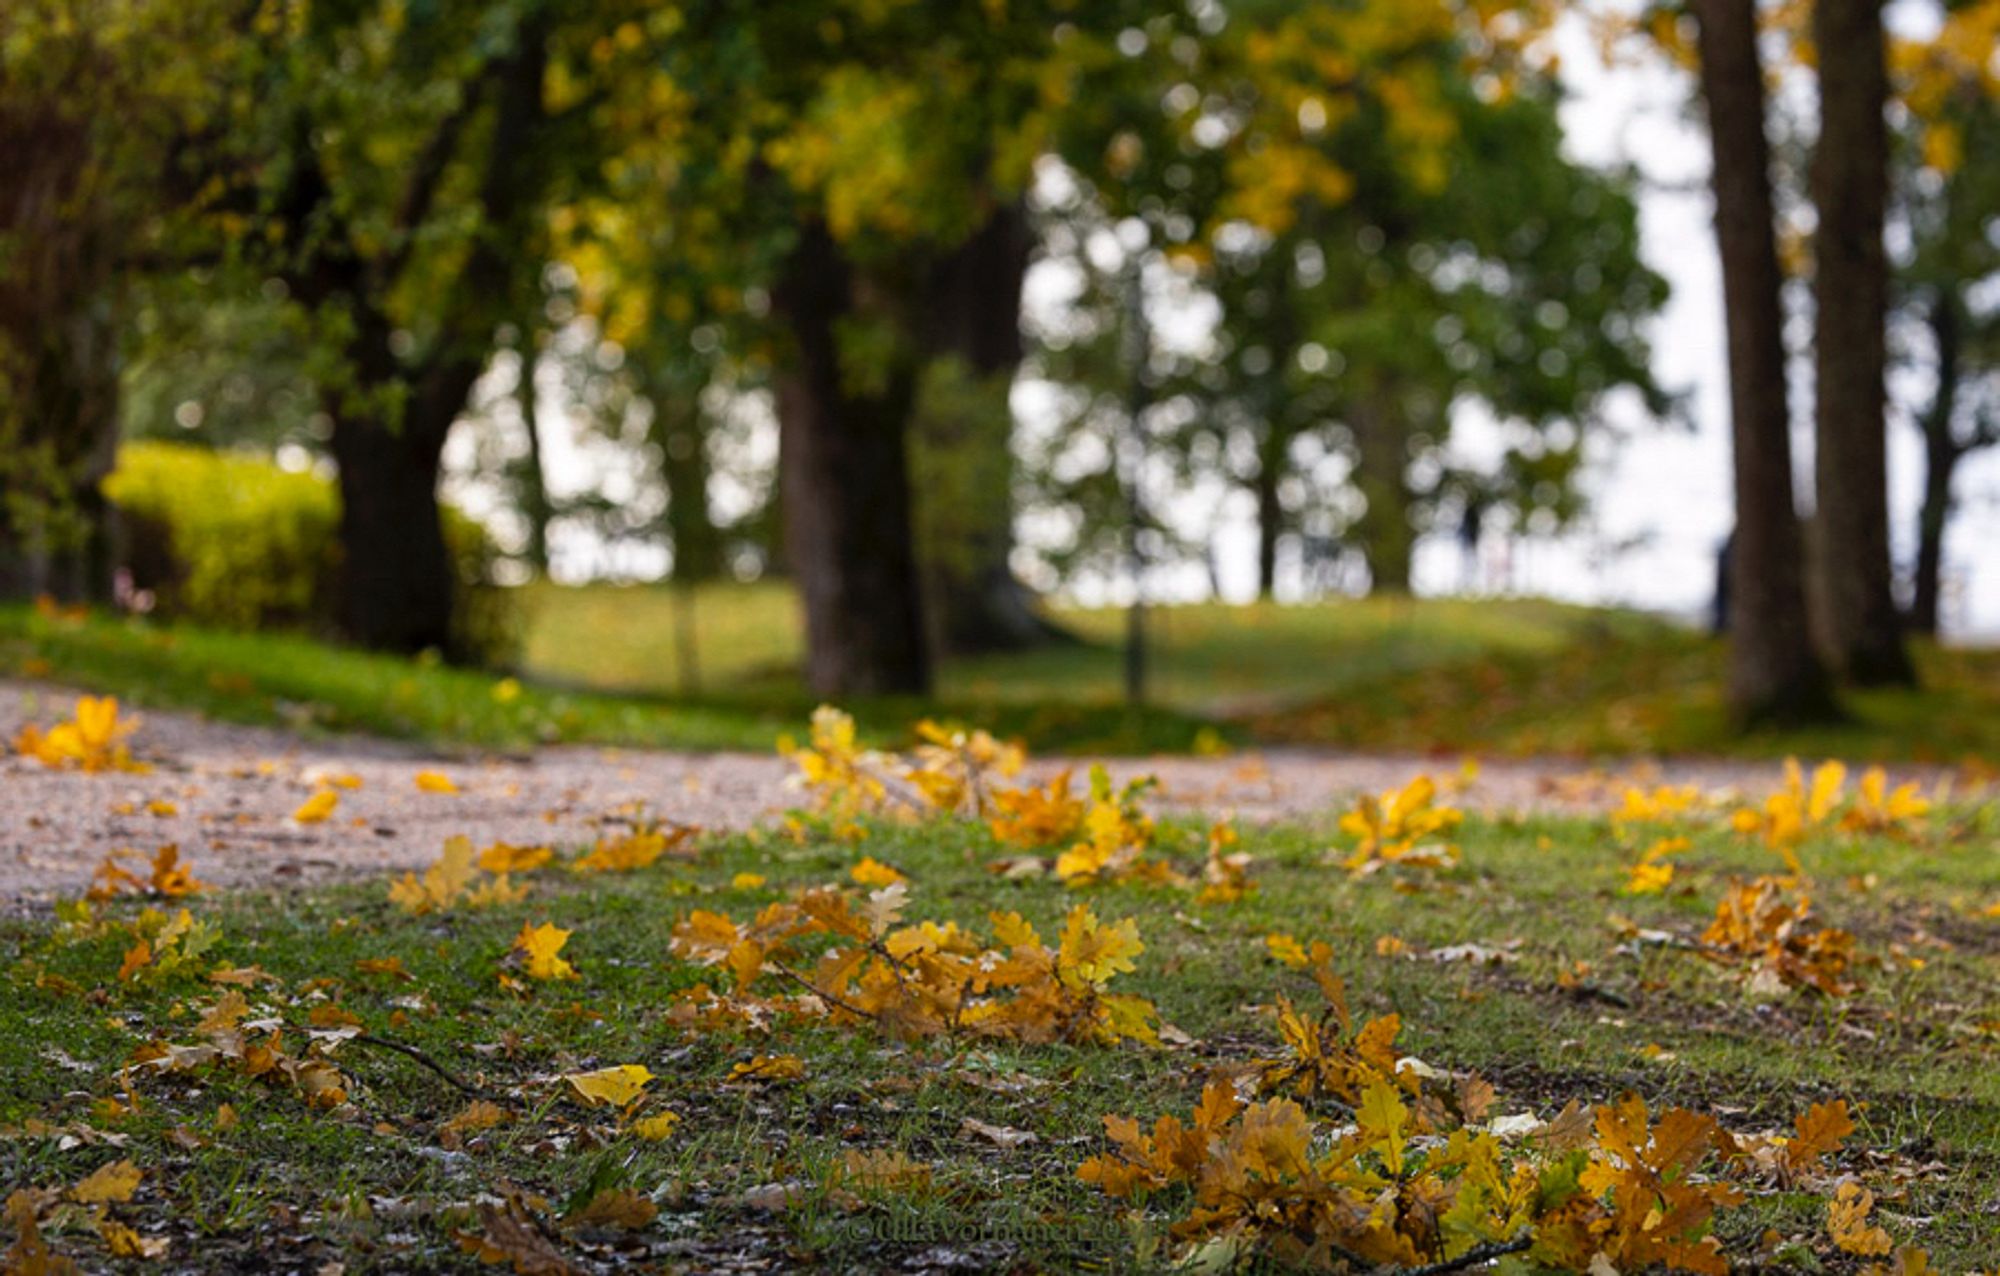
{"points": [[335, 226]]}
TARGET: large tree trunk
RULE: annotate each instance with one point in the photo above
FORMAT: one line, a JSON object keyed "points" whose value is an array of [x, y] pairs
{"points": [[1851, 285], [1773, 672], [845, 474], [58, 360], [396, 588], [972, 316], [1381, 471]]}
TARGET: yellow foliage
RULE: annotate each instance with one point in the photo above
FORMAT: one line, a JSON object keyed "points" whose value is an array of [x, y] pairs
{"points": [[93, 740], [317, 808], [1396, 827], [636, 850], [539, 947], [616, 1086], [1036, 817]]}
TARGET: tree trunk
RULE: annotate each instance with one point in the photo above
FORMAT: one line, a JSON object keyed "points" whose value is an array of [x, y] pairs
{"points": [[677, 430], [534, 487], [1851, 286], [845, 473], [1386, 538], [396, 575], [1941, 454], [1773, 672], [972, 316], [58, 359], [1270, 522]]}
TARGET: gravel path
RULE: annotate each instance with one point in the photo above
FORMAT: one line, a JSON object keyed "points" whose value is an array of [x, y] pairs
{"points": [[224, 794]]}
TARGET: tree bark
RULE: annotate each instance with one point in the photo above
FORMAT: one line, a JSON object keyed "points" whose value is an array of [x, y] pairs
{"points": [[677, 431], [1773, 671], [396, 576], [1386, 538], [534, 483], [1941, 453], [1270, 521], [1851, 286], [973, 315], [844, 470]]}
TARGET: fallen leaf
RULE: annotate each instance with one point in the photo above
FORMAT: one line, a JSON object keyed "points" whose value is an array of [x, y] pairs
{"points": [[317, 808], [108, 1183], [616, 1086], [1004, 1136]]}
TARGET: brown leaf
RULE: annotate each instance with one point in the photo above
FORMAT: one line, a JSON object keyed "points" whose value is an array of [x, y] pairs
{"points": [[614, 1207], [509, 1234], [1571, 1128], [114, 1182]]}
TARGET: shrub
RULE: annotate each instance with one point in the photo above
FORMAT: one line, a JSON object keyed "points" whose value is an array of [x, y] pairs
{"points": [[232, 540]]}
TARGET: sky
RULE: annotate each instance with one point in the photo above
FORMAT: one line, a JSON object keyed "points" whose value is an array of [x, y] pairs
{"points": [[1660, 499]]}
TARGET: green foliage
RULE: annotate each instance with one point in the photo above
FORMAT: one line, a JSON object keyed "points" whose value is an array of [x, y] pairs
{"points": [[226, 538], [234, 541]]}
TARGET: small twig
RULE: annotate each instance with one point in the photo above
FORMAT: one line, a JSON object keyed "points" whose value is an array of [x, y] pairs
{"points": [[411, 1052], [1475, 1256], [823, 995]]}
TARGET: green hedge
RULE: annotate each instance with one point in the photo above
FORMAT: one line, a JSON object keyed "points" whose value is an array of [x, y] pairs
{"points": [[231, 540]]}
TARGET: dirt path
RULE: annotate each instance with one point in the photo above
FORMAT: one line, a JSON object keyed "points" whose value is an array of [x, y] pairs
{"points": [[224, 794]]}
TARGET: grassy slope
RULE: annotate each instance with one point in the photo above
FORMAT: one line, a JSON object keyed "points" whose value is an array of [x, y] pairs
{"points": [[1436, 675], [371, 1187]]}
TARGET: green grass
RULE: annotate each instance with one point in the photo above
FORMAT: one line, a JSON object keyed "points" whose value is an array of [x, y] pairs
{"points": [[600, 665], [371, 1185]]}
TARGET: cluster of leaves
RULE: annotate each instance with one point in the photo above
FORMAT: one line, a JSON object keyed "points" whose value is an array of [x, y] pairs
{"points": [[166, 877], [85, 1204], [1788, 816], [1410, 1177], [1767, 927], [461, 878], [951, 771], [1401, 827], [920, 980], [93, 740]]}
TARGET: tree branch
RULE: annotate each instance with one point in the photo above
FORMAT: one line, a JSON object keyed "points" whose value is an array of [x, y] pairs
{"points": [[411, 1052], [1478, 1255]]}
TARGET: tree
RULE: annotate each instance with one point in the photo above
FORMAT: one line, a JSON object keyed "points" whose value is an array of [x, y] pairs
{"points": [[1773, 673], [400, 163], [98, 101], [1383, 298], [1850, 181], [1948, 187]]}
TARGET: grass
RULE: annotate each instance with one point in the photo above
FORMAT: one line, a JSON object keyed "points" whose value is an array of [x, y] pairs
{"points": [[1438, 675], [373, 1184]]}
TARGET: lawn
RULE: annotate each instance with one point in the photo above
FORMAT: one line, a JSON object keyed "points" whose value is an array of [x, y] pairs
{"points": [[268, 1131], [599, 665]]}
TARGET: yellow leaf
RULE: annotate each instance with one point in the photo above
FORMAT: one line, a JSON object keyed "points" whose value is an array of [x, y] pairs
{"points": [[616, 1086], [1287, 950], [108, 1183], [746, 881], [503, 858], [1095, 952], [769, 1067], [656, 1127], [1382, 1117], [540, 944], [872, 872], [1847, 1222], [317, 808], [435, 782]]}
